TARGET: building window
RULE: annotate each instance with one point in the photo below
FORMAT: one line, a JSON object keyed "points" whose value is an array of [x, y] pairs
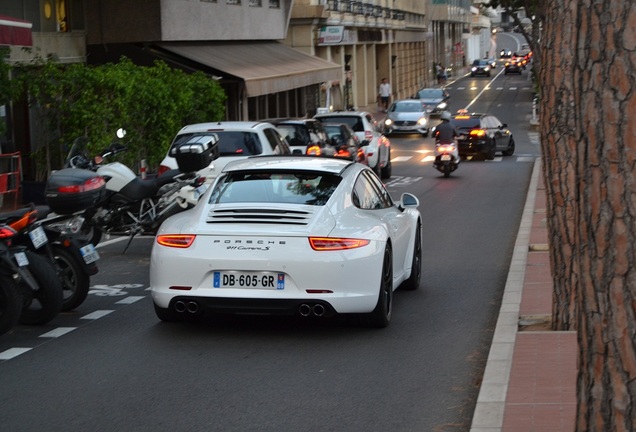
{"points": [[209, 1], [257, 3], [274, 4], [236, 2]]}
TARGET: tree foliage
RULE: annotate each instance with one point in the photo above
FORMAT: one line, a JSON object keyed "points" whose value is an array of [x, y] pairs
{"points": [[151, 103]]}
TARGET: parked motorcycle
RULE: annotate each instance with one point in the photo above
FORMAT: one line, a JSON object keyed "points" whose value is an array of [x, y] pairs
{"points": [[74, 261], [127, 205], [10, 293], [39, 290]]}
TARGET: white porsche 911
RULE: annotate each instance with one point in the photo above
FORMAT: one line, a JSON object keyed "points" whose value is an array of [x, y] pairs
{"points": [[289, 235]]}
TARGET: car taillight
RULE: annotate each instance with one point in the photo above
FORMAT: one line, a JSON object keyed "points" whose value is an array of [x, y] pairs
{"points": [[88, 185], [343, 153], [162, 169], [314, 150], [176, 240], [478, 132], [334, 244]]}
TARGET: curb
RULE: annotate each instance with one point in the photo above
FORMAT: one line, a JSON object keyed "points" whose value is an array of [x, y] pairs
{"points": [[491, 401]]}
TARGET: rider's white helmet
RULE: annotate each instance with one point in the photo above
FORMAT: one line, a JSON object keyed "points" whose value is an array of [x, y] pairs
{"points": [[445, 116]]}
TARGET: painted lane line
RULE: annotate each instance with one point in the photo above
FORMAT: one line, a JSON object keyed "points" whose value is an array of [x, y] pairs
{"points": [[428, 159], [60, 331], [12, 352], [401, 158], [97, 314], [129, 299]]}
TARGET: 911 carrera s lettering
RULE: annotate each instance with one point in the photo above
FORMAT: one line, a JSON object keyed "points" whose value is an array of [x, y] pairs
{"points": [[249, 280]]}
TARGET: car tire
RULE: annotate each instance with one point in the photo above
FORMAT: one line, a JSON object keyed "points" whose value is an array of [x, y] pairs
{"points": [[75, 280], [385, 173], [413, 282], [381, 315], [492, 151], [43, 305], [167, 315], [511, 148]]}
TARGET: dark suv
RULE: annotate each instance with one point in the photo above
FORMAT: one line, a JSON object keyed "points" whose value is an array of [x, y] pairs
{"points": [[301, 133], [483, 135]]}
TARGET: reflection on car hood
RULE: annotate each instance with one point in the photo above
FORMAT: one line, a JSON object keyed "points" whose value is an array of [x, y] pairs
{"points": [[431, 101]]}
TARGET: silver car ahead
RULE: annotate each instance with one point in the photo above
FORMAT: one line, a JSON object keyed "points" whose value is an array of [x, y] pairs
{"points": [[408, 116]]}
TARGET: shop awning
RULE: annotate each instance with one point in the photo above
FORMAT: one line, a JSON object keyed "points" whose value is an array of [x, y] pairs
{"points": [[266, 66], [15, 31]]}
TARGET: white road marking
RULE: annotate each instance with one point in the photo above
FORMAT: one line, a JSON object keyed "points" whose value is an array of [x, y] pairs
{"points": [[58, 332], [428, 159], [401, 158], [97, 314], [129, 300], [12, 352]]}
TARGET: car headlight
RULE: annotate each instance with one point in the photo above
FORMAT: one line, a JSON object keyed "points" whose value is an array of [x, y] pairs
{"points": [[441, 105], [422, 121], [388, 122], [486, 68]]}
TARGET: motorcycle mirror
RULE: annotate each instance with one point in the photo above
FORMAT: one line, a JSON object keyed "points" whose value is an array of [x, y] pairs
{"points": [[121, 133]]}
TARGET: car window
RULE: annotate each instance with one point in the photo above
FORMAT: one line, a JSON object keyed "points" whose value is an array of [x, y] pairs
{"points": [[354, 123], [406, 107], [384, 194], [465, 122], [276, 141], [275, 187], [231, 143], [366, 195], [296, 135]]}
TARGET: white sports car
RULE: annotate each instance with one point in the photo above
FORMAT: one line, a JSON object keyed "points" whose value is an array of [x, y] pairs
{"points": [[289, 235]]}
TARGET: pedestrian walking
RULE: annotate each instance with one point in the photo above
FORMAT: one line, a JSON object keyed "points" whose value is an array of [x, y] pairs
{"points": [[439, 72], [384, 93]]}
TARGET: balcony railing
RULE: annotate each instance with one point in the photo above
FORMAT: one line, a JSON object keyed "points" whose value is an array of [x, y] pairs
{"points": [[362, 8]]}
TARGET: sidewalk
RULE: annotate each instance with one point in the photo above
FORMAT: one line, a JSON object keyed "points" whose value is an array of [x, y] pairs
{"points": [[529, 384]]}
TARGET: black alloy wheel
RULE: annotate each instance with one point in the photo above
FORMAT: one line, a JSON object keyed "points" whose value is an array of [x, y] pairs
{"points": [[511, 148], [381, 315], [75, 280]]}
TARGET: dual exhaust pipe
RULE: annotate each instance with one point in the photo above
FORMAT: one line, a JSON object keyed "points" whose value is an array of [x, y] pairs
{"points": [[306, 310], [181, 307]]}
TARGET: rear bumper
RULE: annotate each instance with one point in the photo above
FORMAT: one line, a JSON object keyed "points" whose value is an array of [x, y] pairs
{"points": [[469, 148]]}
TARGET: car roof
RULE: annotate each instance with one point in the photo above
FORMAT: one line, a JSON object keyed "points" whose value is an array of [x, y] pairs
{"points": [[225, 125], [286, 163], [342, 113], [290, 121]]}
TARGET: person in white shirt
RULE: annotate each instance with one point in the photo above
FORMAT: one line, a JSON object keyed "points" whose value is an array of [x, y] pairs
{"points": [[385, 94]]}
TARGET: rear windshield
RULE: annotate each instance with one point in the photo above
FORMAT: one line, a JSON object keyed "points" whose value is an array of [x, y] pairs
{"points": [[279, 187], [231, 143], [429, 94], [354, 122], [295, 135], [469, 123]]}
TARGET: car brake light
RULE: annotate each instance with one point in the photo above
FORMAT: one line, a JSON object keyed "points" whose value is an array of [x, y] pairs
{"points": [[88, 185], [343, 153], [314, 150], [333, 244], [478, 132], [176, 240]]}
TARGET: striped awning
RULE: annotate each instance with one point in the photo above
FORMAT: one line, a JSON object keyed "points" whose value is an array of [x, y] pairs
{"points": [[15, 32]]}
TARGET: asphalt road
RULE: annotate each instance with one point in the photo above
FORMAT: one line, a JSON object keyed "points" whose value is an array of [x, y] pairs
{"points": [[111, 365]]}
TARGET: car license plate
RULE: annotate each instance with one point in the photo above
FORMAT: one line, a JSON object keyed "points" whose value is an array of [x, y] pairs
{"points": [[255, 280], [89, 253], [38, 237], [21, 259], [446, 157]]}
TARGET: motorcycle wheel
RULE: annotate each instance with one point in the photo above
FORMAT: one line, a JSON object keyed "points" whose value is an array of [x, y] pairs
{"points": [[10, 303], [75, 279], [41, 306]]}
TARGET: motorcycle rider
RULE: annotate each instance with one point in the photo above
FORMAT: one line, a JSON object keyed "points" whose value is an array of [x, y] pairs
{"points": [[445, 133]]}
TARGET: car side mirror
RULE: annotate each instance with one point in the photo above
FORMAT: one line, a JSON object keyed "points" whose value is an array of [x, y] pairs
{"points": [[408, 200], [364, 143], [503, 125]]}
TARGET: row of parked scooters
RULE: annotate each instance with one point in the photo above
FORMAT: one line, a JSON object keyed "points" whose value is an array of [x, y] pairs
{"points": [[44, 267], [47, 253]]}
